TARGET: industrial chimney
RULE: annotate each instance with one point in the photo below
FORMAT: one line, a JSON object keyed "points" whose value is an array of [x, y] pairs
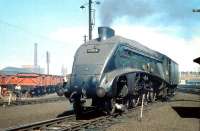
{"points": [[35, 55], [48, 61], [105, 33]]}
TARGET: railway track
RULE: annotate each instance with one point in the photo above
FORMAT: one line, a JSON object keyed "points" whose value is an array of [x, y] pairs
{"points": [[71, 123], [34, 101], [189, 90]]}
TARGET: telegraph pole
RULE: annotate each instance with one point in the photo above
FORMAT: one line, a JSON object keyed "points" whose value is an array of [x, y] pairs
{"points": [[90, 19], [85, 38], [35, 56], [90, 15]]}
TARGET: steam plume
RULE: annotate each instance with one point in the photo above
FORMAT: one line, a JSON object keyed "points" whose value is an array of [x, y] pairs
{"points": [[153, 12]]}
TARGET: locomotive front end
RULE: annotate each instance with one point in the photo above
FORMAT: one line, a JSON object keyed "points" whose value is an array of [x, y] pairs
{"points": [[89, 65]]}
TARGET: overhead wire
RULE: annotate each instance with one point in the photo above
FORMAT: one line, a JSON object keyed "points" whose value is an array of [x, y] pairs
{"points": [[29, 32]]}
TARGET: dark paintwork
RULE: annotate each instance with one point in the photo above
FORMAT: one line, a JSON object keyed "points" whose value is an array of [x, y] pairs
{"points": [[197, 60], [103, 60]]}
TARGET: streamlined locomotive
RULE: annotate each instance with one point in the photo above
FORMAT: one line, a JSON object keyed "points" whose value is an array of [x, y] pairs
{"points": [[114, 72]]}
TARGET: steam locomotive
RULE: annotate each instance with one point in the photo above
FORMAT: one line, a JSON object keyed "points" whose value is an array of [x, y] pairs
{"points": [[114, 72]]}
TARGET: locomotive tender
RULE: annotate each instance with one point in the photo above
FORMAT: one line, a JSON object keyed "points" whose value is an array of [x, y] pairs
{"points": [[114, 72]]}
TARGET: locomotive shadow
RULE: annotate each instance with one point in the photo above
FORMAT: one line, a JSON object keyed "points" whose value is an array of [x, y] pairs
{"points": [[90, 115], [86, 115], [65, 113], [187, 112]]}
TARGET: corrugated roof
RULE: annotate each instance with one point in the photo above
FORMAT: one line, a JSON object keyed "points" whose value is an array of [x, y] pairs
{"points": [[14, 70]]}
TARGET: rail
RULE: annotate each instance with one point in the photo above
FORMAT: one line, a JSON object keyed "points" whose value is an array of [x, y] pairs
{"points": [[39, 125], [70, 122]]}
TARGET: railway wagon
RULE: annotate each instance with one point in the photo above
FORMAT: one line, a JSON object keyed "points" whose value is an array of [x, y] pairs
{"points": [[32, 83], [116, 72]]}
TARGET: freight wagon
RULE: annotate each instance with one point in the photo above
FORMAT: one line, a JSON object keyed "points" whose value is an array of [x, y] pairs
{"points": [[31, 83]]}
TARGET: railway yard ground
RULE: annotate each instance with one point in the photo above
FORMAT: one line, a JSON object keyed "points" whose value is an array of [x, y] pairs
{"points": [[180, 114]]}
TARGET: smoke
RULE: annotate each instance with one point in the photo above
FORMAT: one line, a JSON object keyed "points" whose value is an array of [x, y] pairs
{"points": [[113, 9], [152, 12]]}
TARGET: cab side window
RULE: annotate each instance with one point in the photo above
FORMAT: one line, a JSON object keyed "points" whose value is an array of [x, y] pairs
{"points": [[122, 57]]}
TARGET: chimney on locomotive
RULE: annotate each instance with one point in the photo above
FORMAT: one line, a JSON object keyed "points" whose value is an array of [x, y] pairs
{"points": [[105, 33]]}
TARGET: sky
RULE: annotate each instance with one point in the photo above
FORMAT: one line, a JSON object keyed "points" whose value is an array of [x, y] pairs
{"points": [[58, 26]]}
